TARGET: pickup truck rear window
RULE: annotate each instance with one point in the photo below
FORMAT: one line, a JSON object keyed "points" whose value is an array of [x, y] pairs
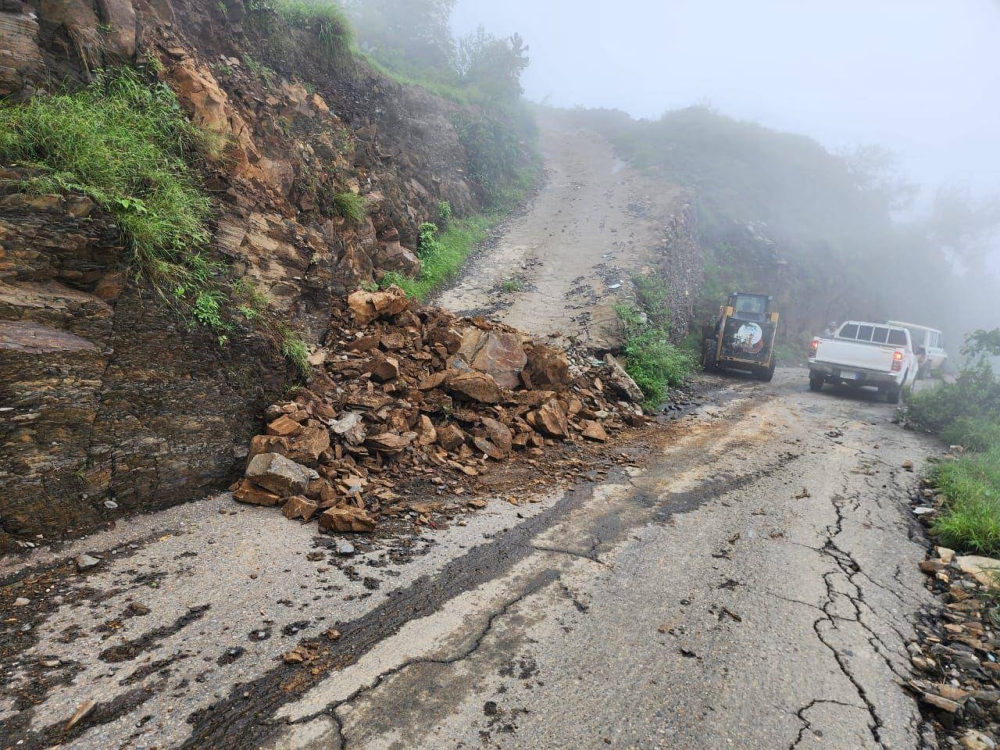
{"points": [[865, 333], [897, 337], [880, 336], [849, 331]]}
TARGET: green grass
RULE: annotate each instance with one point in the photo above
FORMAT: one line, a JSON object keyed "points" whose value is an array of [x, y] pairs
{"points": [[442, 254], [351, 206], [126, 144], [294, 349], [971, 517], [653, 362], [325, 16], [512, 285]]}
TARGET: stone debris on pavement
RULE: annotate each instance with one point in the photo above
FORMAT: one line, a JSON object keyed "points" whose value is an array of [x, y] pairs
{"points": [[956, 657], [403, 390]]}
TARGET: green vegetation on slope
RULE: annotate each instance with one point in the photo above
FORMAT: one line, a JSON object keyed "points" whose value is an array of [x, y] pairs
{"points": [[442, 254], [125, 144], [326, 17], [651, 360], [967, 413]]}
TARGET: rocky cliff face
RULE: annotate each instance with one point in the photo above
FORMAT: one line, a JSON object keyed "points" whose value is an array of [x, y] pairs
{"points": [[109, 402]]}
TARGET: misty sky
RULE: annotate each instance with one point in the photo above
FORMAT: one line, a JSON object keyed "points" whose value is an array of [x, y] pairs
{"points": [[919, 76]]}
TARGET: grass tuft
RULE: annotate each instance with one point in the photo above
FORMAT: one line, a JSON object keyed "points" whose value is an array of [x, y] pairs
{"points": [[442, 254], [971, 517], [351, 206]]}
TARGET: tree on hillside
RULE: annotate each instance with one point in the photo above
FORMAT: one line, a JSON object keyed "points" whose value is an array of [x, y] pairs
{"points": [[491, 64]]}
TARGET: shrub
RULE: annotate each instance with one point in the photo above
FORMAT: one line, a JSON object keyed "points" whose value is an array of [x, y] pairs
{"points": [[655, 364], [122, 142]]}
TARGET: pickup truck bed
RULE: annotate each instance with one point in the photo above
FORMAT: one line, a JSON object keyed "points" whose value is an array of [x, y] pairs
{"points": [[853, 358]]}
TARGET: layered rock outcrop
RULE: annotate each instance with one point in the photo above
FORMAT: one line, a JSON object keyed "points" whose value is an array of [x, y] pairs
{"points": [[109, 401]]}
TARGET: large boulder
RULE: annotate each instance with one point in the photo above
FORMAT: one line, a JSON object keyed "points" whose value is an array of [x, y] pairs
{"points": [[282, 476], [497, 353], [477, 386], [547, 367], [369, 306], [621, 382]]}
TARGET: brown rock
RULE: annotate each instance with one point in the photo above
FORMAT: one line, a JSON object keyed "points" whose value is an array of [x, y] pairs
{"points": [[299, 507], [450, 437], [594, 431], [433, 381], [307, 446], [268, 444], [346, 519], [251, 494], [496, 353], [283, 426], [550, 420], [942, 703], [389, 442], [476, 386], [489, 448], [366, 343], [278, 474], [386, 370], [547, 366], [369, 306], [498, 434], [426, 435]]}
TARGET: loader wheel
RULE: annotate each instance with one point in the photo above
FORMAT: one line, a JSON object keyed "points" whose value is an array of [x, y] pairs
{"points": [[766, 374], [816, 382], [708, 361]]}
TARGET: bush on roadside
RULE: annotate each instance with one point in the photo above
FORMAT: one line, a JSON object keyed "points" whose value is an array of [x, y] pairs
{"points": [[651, 360]]}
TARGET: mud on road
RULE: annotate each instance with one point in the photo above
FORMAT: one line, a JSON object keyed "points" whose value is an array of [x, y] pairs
{"points": [[750, 579]]}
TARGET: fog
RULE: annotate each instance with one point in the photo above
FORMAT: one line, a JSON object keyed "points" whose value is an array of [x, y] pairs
{"points": [[921, 77]]}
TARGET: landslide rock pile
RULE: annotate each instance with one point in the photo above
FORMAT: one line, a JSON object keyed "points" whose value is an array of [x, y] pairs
{"points": [[401, 390], [956, 656]]}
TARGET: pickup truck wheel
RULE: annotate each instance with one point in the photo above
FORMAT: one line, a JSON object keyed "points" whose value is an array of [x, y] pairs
{"points": [[816, 382], [892, 394]]}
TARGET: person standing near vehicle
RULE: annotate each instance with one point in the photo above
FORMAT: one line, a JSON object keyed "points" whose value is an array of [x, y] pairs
{"points": [[830, 331]]}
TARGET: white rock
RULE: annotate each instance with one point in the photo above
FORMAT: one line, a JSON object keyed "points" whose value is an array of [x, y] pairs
{"points": [[973, 740], [21, 602], [985, 570]]}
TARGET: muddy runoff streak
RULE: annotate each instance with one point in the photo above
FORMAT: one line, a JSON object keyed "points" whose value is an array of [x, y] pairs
{"points": [[244, 718]]}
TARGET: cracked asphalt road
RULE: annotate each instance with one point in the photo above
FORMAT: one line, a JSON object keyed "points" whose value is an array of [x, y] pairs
{"points": [[753, 587], [749, 585]]}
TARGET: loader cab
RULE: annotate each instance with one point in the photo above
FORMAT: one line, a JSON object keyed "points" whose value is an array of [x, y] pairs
{"points": [[755, 307], [743, 336]]}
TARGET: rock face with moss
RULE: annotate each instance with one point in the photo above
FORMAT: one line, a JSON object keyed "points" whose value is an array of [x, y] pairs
{"points": [[133, 372]]}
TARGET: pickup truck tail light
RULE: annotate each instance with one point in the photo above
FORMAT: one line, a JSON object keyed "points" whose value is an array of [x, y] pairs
{"points": [[897, 361], [813, 346]]}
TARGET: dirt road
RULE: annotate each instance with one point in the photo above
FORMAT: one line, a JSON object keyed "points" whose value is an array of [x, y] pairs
{"points": [[747, 582], [562, 265]]}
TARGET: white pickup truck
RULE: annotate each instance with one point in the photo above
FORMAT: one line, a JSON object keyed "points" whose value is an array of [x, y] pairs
{"points": [[872, 354]]}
